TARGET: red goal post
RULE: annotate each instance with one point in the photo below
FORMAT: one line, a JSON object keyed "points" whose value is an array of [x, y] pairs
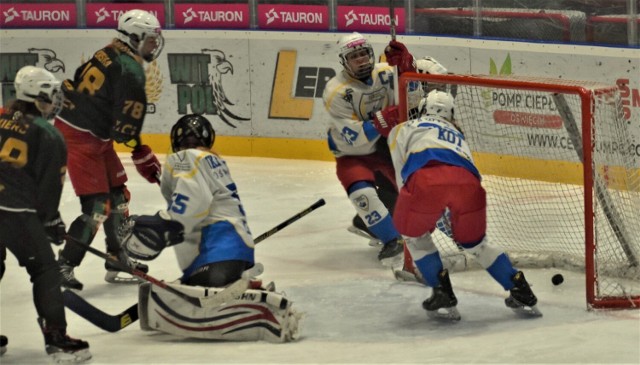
{"points": [[562, 173]]}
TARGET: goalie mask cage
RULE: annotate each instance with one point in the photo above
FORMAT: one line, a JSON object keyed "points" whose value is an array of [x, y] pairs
{"points": [[560, 168]]}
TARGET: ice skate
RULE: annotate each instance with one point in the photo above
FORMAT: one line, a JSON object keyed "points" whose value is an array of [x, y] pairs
{"points": [[442, 302], [69, 280], [392, 253], [62, 348], [521, 299], [359, 228], [115, 275]]}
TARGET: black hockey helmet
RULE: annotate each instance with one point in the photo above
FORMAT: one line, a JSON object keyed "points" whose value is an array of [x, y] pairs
{"points": [[192, 131]]}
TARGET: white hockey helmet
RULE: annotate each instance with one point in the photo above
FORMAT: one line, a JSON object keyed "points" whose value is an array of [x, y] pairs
{"points": [[437, 103], [39, 86], [142, 32], [355, 42]]}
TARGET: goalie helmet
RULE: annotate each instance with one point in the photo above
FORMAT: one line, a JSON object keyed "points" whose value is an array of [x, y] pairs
{"points": [[437, 103], [348, 45], [141, 31], [192, 131], [39, 86]]}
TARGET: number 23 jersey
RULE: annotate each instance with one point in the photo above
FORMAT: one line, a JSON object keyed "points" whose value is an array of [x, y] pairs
{"points": [[351, 104]]}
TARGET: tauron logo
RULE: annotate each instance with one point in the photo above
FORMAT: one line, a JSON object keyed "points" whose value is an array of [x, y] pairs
{"points": [[189, 15], [272, 16], [10, 14], [351, 17], [102, 14]]}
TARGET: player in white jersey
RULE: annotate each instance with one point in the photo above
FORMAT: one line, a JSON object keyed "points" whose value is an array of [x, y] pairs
{"points": [[203, 198], [204, 210], [435, 171], [352, 98]]}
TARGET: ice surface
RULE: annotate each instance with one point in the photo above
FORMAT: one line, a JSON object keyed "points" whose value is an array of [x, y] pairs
{"points": [[355, 312]]}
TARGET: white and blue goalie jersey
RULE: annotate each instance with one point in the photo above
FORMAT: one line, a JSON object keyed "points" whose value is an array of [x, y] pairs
{"points": [[202, 196]]}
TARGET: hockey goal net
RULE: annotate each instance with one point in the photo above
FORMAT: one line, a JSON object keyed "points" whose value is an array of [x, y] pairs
{"points": [[561, 171]]}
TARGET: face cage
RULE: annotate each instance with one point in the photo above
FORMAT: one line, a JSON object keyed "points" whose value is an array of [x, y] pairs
{"points": [[365, 70], [155, 52], [57, 100]]}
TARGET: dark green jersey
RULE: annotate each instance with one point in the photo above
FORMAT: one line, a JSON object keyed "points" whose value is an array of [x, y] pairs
{"points": [[33, 162], [107, 95]]}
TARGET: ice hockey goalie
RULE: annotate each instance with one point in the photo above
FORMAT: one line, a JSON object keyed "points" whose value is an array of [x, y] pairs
{"points": [[257, 315]]}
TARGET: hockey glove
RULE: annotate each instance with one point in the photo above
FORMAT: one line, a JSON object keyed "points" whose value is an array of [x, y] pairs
{"points": [[398, 55], [151, 234], [386, 119], [146, 163], [56, 230]]}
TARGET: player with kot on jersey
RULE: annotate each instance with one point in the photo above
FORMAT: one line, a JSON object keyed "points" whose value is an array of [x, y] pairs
{"points": [[33, 160], [360, 94], [435, 171], [107, 103]]}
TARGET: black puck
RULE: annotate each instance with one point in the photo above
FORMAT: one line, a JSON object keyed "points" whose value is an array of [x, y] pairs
{"points": [[557, 279]]}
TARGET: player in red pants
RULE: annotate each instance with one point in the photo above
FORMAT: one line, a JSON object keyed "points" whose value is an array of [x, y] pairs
{"points": [[106, 103]]}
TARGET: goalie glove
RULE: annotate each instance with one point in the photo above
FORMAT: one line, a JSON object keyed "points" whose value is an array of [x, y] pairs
{"points": [[146, 163], [397, 54], [384, 120], [148, 235]]}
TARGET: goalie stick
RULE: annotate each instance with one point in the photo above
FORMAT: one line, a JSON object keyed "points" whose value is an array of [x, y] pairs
{"points": [[114, 323], [227, 294]]}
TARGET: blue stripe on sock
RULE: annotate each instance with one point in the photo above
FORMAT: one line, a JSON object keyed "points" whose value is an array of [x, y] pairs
{"points": [[430, 266], [502, 271]]}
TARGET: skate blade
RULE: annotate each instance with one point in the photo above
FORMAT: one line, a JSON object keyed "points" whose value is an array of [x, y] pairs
{"points": [[445, 314], [403, 275], [120, 277], [71, 357], [373, 242], [394, 261]]}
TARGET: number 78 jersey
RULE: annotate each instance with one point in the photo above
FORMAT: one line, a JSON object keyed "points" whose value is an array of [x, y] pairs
{"points": [[428, 139]]}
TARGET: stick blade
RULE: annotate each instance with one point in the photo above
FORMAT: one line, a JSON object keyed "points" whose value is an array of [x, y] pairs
{"points": [[98, 318]]}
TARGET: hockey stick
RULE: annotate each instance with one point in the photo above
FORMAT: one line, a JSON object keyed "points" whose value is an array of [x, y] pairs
{"points": [[223, 296], [286, 223], [99, 318], [114, 323], [392, 31]]}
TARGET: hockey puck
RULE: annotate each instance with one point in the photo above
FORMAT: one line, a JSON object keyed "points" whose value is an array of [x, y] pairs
{"points": [[557, 279]]}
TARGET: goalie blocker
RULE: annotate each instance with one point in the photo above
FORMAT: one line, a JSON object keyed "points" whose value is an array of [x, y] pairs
{"points": [[257, 315]]}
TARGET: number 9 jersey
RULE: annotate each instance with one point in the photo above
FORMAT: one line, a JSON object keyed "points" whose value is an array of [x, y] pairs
{"points": [[107, 95]]}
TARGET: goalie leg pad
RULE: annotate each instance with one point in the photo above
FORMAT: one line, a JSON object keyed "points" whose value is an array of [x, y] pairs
{"points": [[257, 315]]}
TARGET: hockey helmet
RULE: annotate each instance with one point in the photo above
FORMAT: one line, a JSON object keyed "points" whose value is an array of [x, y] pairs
{"points": [[39, 86], [192, 131], [349, 45], [437, 103], [142, 32]]}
